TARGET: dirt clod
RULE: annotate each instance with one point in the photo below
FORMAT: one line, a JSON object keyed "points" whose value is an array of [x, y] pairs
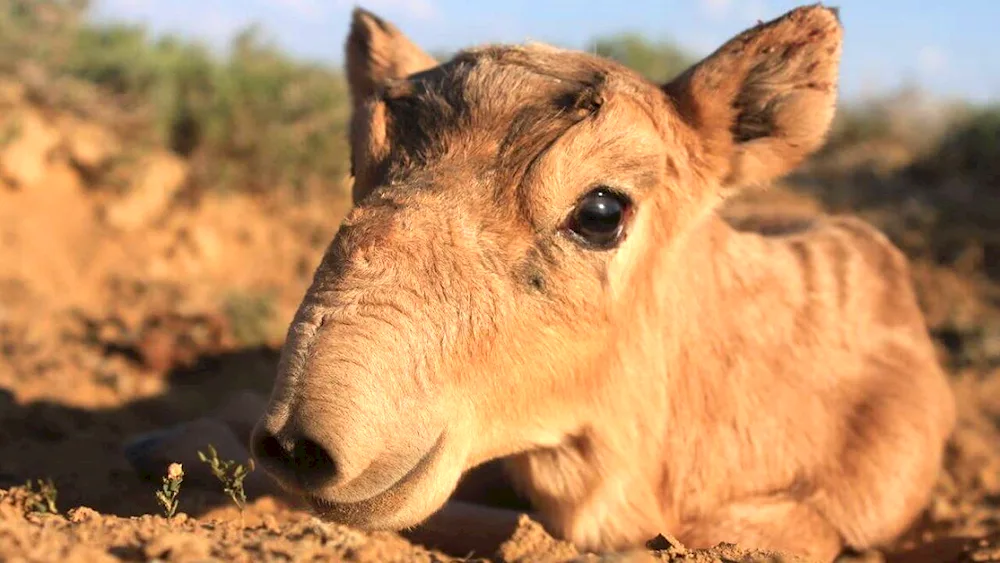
{"points": [[530, 543]]}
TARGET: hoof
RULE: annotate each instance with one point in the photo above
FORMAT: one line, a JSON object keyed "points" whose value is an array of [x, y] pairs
{"points": [[142, 451]]}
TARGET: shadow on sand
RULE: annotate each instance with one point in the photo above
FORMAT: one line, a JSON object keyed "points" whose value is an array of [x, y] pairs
{"points": [[81, 450]]}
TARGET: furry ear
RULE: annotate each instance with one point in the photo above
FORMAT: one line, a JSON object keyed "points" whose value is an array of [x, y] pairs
{"points": [[764, 101], [378, 52]]}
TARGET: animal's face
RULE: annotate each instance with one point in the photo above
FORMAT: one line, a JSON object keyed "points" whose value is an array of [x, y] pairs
{"points": [[480, 298]]}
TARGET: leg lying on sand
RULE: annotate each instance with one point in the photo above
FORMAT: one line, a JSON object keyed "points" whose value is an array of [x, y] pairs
{"points": [[482, 514], [227, 429]]}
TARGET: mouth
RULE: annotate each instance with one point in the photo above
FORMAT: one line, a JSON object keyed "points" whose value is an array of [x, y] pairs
{"points": [[385, 510]]}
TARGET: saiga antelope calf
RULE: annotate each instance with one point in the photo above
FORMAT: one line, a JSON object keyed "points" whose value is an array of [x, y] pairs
{"points": [[535, 269]]}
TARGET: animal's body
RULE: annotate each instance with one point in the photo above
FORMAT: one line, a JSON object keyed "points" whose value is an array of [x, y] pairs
{"points": [[536, 271]]}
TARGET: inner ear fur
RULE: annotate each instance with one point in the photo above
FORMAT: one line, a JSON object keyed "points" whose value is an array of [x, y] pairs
{"points": [[764, 101]]}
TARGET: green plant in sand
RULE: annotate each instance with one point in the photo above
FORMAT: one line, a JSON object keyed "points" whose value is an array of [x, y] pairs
{"points": [[229, 473], [42, 499], [171, 489]]}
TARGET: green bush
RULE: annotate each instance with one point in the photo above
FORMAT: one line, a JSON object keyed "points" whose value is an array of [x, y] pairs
{"points": [[658, 61], [38, 30], [251, 317], [972, 147], [254, 120]]}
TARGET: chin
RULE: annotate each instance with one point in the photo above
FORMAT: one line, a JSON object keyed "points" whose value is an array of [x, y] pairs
{"points": [[417, 495]]}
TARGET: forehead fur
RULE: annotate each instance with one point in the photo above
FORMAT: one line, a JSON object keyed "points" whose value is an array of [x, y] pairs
{"points": [[505, 101]]}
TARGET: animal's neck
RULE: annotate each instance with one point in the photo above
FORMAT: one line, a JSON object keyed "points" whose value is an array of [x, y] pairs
{"points": [[606, 489], [729, 324], [712, 287], [704, 298]]}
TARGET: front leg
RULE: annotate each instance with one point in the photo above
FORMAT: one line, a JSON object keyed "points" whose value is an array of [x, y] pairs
{"points": [[481, 514], [777, 524], [463, 529]]}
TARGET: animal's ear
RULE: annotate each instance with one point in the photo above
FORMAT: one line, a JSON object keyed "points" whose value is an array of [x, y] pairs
{"points": [[378, 52], [763, 102]]}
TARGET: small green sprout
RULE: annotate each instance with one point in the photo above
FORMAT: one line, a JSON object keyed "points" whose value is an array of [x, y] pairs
{"points": [[44, 498], [230, 474]]}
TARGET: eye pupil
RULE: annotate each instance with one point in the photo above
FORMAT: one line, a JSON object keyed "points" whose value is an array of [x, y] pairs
{"points": [[599, 217]]}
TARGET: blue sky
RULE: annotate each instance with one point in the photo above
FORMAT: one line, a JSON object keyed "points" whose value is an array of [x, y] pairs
{"points": [[945, 47]]}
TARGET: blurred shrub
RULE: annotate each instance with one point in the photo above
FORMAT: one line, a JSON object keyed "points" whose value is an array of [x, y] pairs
{"points": [[859, 123], [970, 149], [658, 61], [37, 29], [907, 116], [254, 120], [251, 317]]}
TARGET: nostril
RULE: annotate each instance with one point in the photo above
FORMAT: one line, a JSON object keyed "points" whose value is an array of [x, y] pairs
{"points": [[272, 455], [302, 461], [267, 447], [313, 464]]}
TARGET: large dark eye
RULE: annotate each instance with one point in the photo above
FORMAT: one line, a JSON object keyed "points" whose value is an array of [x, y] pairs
{"points": [[599, 218]]}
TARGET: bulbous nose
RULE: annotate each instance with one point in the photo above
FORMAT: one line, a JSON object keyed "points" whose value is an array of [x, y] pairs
{"points": [[295, 459]]}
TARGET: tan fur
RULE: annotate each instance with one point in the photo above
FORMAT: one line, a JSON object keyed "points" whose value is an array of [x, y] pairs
{"points": [[775, 389]]}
